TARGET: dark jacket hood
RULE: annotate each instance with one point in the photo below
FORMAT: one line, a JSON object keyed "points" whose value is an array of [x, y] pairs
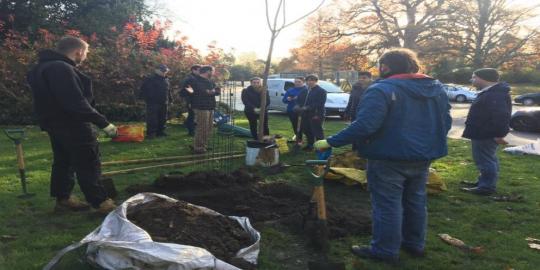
{"points": [[50, 55], [416, 85]]}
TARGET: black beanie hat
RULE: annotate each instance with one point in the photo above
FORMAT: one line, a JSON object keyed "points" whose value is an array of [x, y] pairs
{"points": [[487, 74]]}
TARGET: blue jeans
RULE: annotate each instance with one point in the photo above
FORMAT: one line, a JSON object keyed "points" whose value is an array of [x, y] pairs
{"points": [[398, 200], [485, 156]]}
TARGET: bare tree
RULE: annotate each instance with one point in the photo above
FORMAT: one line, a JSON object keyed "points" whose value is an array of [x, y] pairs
{"points": [[393, 23], [491, 32], [275, 25]]}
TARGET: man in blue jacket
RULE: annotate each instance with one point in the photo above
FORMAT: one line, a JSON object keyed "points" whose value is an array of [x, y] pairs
{"points": [[401, 127], [486, 125], [290, 98]]}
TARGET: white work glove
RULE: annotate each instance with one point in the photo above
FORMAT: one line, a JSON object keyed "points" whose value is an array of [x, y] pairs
{"points": [[111, 130], [257, 110], [321, 144]]}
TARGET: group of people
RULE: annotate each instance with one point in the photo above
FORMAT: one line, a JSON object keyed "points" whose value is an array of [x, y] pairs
{"points": [[399, 123], [305, 108], [199, 92]]}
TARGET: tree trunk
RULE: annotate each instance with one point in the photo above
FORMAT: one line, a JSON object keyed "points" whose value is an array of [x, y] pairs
{"points": [[411, 30], [483, 17], [260, 132]]}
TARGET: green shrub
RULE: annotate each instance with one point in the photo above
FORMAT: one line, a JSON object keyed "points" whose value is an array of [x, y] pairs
{"points": [[13, 111], [525, 75]]}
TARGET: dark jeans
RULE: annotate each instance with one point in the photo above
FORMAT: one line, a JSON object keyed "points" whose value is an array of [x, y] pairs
{"points": [[253, 119], [156, 117], [485, 156], [190, 121], [293, 117], [76, 153], [313, 129], [399, 205]]}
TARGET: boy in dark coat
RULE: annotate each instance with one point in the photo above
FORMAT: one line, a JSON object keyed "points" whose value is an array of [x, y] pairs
{"points": [[310, 105], [251, 97]]}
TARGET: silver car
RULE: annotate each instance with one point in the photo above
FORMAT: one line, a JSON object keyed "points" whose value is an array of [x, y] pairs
{"points": [[336, 99], [459, 93]]}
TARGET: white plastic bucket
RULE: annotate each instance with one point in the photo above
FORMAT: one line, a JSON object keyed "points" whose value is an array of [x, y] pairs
{"points": [[253, 158]]}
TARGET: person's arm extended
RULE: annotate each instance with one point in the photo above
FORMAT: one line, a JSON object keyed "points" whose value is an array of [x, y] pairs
{"points": [[372, 111]]}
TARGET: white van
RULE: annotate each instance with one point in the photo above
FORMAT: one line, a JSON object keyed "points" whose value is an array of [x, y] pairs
{"points": [[336, 99]]}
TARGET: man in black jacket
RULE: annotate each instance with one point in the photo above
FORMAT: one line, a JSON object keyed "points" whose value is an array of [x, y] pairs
{"points": [[310, 104], [364, 80], [187, 95], [203, 103], [358, 88], [156, 94], [486, 125], [251, 97], [63, 104]]}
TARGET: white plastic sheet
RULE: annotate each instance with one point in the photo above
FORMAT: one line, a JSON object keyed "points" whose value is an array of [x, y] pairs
{"points": [[120, 244], [530, 149]]}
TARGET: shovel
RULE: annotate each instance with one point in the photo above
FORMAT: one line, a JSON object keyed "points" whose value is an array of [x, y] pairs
{"points": [[318, 228], [298, 141], [16, 135]]}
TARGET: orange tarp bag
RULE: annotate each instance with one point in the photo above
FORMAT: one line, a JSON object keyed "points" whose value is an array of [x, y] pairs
{"points": [[129, 133]]}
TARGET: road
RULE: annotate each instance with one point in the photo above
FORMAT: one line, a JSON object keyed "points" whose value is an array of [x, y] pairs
{"points": [[459, 114]]}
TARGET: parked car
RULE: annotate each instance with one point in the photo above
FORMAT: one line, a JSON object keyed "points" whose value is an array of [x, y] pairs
{"points": [[526, 121], [528, 99], [459, 93], [336, 99]]}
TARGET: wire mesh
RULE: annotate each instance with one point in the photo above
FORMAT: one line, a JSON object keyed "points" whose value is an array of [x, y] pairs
{"points": [[223, 147]]}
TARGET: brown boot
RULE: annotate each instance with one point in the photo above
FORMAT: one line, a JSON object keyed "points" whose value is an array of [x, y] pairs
{"points": [[70, 204], [106, 206]]}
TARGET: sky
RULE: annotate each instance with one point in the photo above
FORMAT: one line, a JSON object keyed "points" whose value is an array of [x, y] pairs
{"points": [[238, 24], [241, 24]]}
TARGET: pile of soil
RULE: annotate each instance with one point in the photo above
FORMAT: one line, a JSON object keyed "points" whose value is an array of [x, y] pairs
{"points": [[181, 223], [244, 194]]}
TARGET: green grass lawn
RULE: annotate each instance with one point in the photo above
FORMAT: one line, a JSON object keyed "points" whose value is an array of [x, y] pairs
{"points": [[500, 227]]}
